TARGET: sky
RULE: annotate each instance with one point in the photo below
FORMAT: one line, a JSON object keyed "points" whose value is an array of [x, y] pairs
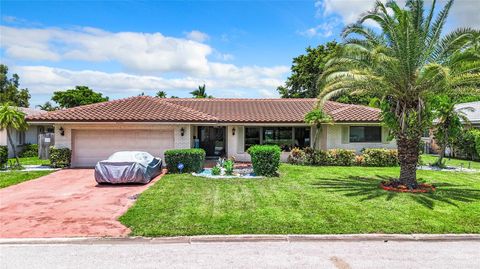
{"points": [[239, 49]]}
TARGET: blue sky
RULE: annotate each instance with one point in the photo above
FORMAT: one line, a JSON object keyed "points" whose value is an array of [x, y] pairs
{"points": [[123, 48]]}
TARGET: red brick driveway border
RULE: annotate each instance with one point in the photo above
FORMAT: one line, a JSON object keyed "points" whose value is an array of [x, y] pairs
{"points": [[66, 203]]}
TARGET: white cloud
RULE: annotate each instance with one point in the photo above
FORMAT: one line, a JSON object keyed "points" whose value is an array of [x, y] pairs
{"points": [[140, 52], [269, 94], [322, 30], [197, 36], [464, 13], [45, 80]]}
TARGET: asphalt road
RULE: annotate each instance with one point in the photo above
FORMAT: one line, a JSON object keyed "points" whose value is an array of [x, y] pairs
{"points": [[319, 254]]}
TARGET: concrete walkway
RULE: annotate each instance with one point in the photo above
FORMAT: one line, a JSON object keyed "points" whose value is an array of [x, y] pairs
{"points": [[316, 254], [64, 204]]}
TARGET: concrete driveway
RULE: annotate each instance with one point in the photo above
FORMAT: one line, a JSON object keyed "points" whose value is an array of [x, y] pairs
{"points": [[64, 204]]}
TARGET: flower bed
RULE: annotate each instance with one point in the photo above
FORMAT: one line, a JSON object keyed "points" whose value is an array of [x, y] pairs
{"points": [[396, 187]]}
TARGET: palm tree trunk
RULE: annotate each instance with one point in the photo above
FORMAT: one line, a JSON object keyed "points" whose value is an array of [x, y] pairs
{"points": [[441, 155], [317, 134], [408, 152], [13, 146]]}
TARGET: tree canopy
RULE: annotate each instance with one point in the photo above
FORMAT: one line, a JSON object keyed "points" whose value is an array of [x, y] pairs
{"points": [[201, 92], [12, 118], [406, 62], [9, 91], [81, 95], [161, 94]]}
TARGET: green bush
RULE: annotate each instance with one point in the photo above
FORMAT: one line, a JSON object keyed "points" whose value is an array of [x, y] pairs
{"points": [[192, 160], [477, 143], [297, 156], [340, 157], [380, 157], [228, 165], [216, 170], [265, 159], [60, 157], [29, 150], [344, 157], [3, 156]]}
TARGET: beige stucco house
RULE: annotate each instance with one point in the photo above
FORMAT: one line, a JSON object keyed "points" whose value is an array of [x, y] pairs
{"points": [[29, 136], [223, 127]]}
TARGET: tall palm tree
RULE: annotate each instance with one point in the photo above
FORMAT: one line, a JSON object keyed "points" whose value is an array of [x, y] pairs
{"points": [[12, 118], [406, 62], [201, 92], [161, 94], [448, 124]]}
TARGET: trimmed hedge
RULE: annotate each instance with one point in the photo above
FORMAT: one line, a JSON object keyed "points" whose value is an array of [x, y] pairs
{"points": [[60, 157], [3, 156], [380, 157], [343, 157], [192, 160], [29, 150], [265, 159]]}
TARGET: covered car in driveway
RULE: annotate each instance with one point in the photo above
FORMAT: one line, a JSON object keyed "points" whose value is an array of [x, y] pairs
{"points": [[128, 167]]}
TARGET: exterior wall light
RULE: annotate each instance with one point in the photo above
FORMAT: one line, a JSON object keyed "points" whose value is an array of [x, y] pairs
{"points": [[62, 131], [233, 131], [182, 131]]}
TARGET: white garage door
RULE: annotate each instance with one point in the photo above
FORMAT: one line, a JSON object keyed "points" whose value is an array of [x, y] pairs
{"points": [[91, 146]]}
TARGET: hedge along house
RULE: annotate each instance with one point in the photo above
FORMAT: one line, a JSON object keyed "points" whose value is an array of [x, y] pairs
{"points": [[223, 127]]}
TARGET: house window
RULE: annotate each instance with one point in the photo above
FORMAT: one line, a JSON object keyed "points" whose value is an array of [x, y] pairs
{"points": [[252, 136], [21, 138], [365, 134], [285, 137]]}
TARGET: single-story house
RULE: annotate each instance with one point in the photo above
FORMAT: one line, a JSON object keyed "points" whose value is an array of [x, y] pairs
{"points": [[29, 136], [223, 127], [472, 113]]}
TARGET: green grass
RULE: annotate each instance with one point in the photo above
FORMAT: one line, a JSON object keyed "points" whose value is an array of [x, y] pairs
{"points": [[31, 161], [306, 200], [15, 177], [429, 159]]}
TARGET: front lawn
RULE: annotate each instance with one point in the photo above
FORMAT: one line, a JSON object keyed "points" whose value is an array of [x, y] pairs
{"points": [[306, 200], [31, 161], [429, 159], [15, 177]]}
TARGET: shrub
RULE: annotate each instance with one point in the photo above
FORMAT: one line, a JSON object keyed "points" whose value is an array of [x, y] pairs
{"points": [[228, 165], [29, 150], [477, 143], [359, 160], [340, 157], [216, 170], [265, 159], [297, 156], [3, 156], [60, 157], [192, 160], [380, 157]]}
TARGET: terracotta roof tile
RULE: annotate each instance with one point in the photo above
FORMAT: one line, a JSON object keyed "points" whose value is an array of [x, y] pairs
{"points": [[151, 109]]}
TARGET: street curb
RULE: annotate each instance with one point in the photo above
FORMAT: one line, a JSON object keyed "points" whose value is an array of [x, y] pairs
{"points": [[240, 238]]}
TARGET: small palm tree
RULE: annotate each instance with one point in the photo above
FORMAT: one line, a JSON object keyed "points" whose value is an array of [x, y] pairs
{"points": [[448, 125], [201, 92], [161, 94], [47, 106], [405, 62], [12, 118], [317, 118]]}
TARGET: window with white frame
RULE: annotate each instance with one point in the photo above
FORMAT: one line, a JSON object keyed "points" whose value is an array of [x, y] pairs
{"points": [[21, 138]]}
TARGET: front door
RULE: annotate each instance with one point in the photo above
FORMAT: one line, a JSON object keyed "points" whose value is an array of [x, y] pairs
{"points": [[212, 140]]}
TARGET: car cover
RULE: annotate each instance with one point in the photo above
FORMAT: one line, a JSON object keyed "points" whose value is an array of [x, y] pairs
{"points": [[128, 167]]}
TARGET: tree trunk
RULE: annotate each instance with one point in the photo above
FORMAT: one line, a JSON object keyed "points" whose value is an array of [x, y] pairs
{"points": [[443, 148], [408, 152], [317, 133], [13, 147]]}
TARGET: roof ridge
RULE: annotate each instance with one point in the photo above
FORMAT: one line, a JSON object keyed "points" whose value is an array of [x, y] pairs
{"points": [[189, 109], [238, 99]]}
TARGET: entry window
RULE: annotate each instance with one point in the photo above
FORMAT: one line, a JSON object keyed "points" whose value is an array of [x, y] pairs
{"points": [[365, 134], [285, 137], [252, 137]]}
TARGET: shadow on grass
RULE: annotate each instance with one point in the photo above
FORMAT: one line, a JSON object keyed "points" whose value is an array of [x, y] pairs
{"points": [[368, 189]]}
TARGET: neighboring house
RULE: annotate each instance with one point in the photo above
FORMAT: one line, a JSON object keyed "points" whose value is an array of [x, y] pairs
{"points": [[473, 116], [29, 136], [223, 127]]}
